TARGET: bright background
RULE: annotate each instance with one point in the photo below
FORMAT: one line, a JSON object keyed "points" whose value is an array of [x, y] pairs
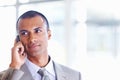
{"points": [[85, 34]]}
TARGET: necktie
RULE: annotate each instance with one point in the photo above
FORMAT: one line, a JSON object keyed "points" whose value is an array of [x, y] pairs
{"points": [[43, 74]]}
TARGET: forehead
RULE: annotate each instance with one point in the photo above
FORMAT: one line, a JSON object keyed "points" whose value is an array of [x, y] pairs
{"points": [[32, 20], [27, 23]]}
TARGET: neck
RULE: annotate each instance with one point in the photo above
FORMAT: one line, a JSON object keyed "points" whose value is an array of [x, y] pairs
{"points": [[41, 61]]}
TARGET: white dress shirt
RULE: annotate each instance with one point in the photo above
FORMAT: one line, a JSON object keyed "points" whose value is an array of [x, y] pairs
{"points": [[34, 70]]}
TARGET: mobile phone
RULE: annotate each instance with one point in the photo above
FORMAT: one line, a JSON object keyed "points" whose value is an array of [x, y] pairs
{"points": [[17, 38]]}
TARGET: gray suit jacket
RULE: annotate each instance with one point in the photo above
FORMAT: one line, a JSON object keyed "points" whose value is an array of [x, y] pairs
{"points": [[62, 73]]}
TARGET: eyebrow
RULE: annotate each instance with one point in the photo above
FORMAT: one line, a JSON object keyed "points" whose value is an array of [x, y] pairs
{"points": [[22, 31], [37, 28], [33, 29]]}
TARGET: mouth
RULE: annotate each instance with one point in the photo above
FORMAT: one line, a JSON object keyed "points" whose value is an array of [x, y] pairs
{"points": [[33, 46]]}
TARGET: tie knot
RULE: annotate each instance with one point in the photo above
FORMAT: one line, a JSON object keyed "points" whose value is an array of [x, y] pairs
{"points": [[42, 71], [43, 74]]}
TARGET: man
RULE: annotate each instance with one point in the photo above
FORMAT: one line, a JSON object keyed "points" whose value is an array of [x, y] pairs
{"points": [[29, 53]]}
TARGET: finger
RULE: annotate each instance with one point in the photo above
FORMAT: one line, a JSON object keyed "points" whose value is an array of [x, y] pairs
{"points": [[24, 54], [19, 47]]}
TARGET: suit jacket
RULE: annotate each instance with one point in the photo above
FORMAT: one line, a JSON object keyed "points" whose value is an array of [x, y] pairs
{"points": [[62, 73]]}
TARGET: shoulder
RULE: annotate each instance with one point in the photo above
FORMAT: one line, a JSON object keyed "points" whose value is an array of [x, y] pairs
{"points": [[10, 73], [1, 73], [67, 70], [4, 73]]}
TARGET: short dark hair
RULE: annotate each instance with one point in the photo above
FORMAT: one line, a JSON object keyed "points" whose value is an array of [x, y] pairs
{"points": [[30, 14]]}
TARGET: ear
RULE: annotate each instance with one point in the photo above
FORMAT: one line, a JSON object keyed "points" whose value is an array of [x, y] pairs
{"points": [[49, 34]]}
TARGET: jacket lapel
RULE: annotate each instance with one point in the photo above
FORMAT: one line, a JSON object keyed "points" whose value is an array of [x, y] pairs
{"points": [[60, 74], [27, 75]]}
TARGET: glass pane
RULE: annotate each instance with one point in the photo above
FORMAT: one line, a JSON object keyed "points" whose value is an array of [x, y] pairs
{"points": [[25, 1], [7, 2], [103, 41], [7, 33], [102, 25]]}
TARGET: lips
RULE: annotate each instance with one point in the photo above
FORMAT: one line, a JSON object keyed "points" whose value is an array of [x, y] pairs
{"points": [[32, 46]]}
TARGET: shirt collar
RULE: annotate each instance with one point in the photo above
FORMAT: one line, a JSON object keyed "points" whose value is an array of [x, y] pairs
{"points": [[34, 68], [50, 68]]}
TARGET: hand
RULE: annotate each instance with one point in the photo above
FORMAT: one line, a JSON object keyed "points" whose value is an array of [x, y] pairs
{"points": [[18, 55]]}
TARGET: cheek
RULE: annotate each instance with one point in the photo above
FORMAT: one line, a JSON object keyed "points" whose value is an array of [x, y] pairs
{"points": [[24, 42], [43, 37], [43, 40], [26, 49]]}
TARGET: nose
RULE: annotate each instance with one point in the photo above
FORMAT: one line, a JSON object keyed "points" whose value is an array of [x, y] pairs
{"points": [[32, 38]]}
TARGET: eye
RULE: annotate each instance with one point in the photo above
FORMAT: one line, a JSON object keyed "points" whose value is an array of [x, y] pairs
{"points": [[23, 33], [38, 30]]}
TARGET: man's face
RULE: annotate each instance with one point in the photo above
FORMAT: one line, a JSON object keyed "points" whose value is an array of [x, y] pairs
{"points": [[34, 35]]}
